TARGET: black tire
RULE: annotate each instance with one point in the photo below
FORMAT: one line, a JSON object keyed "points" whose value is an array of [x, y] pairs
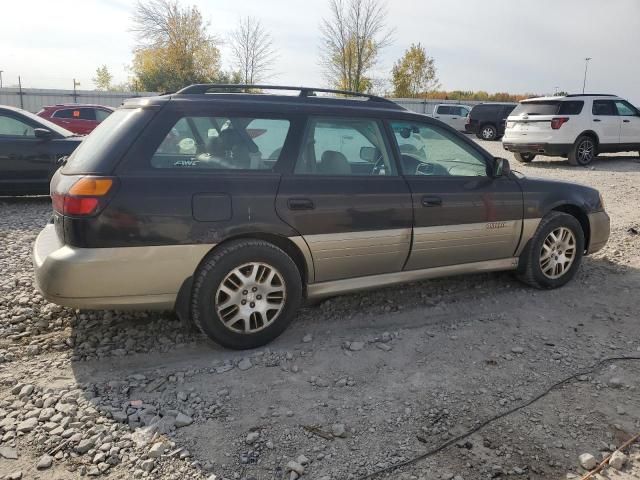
{"points": [[524, 157], [583, 151], [215, 269], [487, 132], [529, 268]]}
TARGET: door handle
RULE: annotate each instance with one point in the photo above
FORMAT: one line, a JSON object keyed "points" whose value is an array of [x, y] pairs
{"points": [[454, 118], [300, 204], [626, 121], [431, 201], [597, 120], [436, 117]]}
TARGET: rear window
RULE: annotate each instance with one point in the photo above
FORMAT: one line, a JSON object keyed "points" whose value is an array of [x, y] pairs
{"points": [[549, 107], [100, 150]]}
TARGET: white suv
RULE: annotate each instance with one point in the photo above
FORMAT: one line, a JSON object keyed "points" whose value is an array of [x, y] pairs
{"points": [[574, 126], [453, 115]]}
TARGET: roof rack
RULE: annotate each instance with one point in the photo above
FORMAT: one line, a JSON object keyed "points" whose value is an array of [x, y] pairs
{"points": [[591, 95], [202, 88]]}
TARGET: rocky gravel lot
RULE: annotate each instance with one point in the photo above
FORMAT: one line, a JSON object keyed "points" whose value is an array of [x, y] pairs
{"points": [[358, 384]]}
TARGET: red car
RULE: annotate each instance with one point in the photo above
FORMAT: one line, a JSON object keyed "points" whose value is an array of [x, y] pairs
{"points": [[80, 119]]}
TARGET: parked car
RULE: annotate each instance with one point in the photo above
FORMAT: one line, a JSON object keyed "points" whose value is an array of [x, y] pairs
{"points": [[30, 148], [487, 120], [453, 115], [77, 118], [574, 126], [233, 208]]}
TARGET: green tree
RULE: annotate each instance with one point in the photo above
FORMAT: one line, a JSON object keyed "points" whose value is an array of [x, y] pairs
{"points": [[352, 38], [174, 47], [414, 74], [103, 78]]}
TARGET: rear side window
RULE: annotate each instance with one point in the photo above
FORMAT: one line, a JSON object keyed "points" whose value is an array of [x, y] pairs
{"points": [[102, 114], [444, 110], [572, 107], [604, 107], [485, 110], [222, 143]]}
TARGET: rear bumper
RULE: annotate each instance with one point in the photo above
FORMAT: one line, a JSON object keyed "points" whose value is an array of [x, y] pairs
{"points": [[541, 148], [600, 227], [125, 278]]}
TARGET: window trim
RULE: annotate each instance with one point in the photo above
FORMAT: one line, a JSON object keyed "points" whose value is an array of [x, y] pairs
{"points": [[382, 128], [488, 160]]}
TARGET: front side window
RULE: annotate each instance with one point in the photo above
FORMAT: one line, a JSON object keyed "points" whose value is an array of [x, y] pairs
{"points": [[428, 150], [13, 127], [625, 109], [67, 113], [339, 146], [222, 143], [604, 107]]}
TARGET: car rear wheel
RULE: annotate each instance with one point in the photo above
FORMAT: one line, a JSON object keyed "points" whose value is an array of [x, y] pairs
{"points": [[553, 255], [245, 294], [583, 151], [524, 157], [487, 132]]}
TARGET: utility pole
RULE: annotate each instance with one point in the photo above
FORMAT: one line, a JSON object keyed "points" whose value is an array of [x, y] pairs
{"points": [[586, 66], [75, 95], [555, 92], [1, 78], [20, 90]]}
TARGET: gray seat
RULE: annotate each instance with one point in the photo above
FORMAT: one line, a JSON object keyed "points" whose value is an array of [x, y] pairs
{"points": [[334, 163]]}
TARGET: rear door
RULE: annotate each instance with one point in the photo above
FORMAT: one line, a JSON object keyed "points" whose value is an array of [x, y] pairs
{"points": [[347, 200], [630, 127], [462, 214], [445, 114], [606, 121]]}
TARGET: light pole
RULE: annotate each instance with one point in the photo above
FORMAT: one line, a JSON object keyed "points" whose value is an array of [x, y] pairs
{"points": [[586, 66], [1, 78]]}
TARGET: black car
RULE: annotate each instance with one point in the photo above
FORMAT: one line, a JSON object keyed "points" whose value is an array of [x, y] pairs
{"points": [[488, 120], [233, 208], [30, 150]]}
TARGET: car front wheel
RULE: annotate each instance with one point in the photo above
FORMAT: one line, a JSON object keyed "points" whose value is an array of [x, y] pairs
{"points": [[553, 255], [524, 157], [245, 294]]}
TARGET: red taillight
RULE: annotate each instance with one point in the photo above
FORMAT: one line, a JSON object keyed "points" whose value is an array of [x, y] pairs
{"points": [[83, 197], [557, 122]]}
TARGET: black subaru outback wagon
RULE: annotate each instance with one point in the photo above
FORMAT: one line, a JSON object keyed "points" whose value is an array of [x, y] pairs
{"points": [[233, 208]]}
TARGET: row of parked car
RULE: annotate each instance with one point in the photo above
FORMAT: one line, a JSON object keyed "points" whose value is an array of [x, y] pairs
{"points": [[577, 127]]}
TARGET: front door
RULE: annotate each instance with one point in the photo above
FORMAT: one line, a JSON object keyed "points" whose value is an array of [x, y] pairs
{"points": [[606, 122], [630, 127], [347, 200], [462, 214]]}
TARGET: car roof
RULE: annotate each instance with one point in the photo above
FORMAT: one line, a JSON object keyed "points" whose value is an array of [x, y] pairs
{"points": [[77, 105], [576, 96]]}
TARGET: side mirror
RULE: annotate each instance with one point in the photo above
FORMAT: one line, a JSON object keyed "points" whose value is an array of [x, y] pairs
{"points": [[501, 167], [43, 133], [369, 154]]}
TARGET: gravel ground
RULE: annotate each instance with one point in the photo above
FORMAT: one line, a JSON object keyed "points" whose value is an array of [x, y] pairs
{"points": [[358, 384]]}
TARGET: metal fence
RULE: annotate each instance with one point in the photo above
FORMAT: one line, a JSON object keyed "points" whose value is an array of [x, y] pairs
{"points": [[33, 99], [427, 106]]}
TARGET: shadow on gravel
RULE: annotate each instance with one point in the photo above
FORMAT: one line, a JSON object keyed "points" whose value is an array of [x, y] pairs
{"points": [[602, 163], [426, 358]]}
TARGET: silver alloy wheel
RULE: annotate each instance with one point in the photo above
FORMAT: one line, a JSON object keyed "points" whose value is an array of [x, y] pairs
{"points": [[487, 133], [251, 297], [586, 151], [558, 253]]}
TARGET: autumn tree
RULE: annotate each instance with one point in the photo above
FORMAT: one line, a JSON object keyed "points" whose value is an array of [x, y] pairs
{"points": [[414, 74], [352, 37], [103, 78], [174, 47], [253, 50]]}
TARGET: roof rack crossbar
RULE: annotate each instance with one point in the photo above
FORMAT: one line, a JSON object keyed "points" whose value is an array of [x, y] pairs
{"points": [[590, 95], [202, 88]]}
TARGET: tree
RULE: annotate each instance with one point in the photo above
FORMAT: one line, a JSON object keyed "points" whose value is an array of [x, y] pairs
{"points": [[352, 38], [414, 74], [253, 50], [174, 47], [103, 78]]}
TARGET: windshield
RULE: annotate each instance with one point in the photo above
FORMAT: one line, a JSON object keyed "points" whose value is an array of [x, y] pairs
{"points": [[47, 124]]}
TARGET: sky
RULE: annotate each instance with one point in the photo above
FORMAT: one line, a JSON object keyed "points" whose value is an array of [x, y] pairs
{"points": [[517, 46]]}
